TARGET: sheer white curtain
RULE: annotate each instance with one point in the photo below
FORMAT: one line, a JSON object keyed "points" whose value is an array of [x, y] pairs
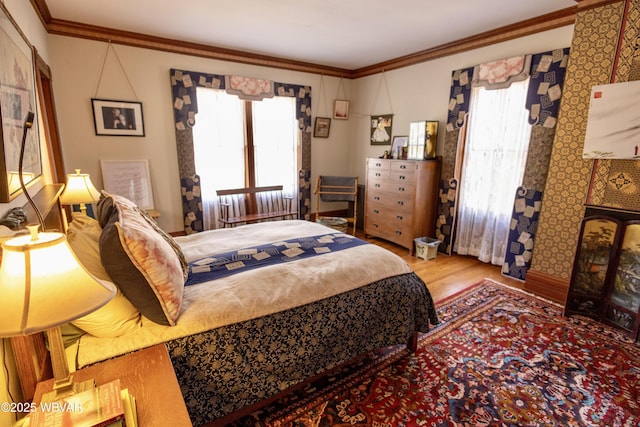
{"points": [[493, 167], [275, 141], [218, 144], [220, 148]]}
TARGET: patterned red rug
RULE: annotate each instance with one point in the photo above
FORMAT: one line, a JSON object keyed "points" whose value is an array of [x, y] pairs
{"points": [[500, 358]]}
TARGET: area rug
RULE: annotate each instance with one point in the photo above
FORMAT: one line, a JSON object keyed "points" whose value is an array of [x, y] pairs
{"points": [[500, 357]]}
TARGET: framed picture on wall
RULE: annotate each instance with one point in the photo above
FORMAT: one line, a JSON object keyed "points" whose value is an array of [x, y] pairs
{"points": [[341, 109], [321, 127], [17, 100], [117, 118]]}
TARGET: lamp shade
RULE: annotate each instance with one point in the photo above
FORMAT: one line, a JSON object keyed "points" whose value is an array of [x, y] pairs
{"points": [[79, 189], [42, 285]]}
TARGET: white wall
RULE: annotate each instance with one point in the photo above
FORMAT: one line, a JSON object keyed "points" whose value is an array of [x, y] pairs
{"points": [[421, 92], [76, 66]]}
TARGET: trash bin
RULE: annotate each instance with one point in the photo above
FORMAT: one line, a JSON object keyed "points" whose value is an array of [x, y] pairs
{"points": [[426, 247]]}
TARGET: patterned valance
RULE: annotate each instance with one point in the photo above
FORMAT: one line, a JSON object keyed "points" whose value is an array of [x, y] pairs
{"points": [[545, 87], [185, 104], [248, 88], [501, 73]]}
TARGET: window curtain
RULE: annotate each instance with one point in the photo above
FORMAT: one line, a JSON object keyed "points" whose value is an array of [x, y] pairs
{"points": [[185, 107], [543, 100], [493, 166]]}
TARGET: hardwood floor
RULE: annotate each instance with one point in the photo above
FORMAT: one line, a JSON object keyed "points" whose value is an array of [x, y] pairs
{"points": [[445, 275]]}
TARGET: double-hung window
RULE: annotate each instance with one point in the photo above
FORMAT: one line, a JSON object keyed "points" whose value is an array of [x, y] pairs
{"points": [[243, 144]]}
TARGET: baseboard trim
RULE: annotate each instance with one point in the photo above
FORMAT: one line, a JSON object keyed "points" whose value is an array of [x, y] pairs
{"points": [[547, 286]]}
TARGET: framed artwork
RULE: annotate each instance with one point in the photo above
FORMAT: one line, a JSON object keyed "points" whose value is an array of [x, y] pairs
{"points": [[398, 143], [321, 127], [17, 99], [117, 118], [341, 109], [381, 129], [130, 179]]}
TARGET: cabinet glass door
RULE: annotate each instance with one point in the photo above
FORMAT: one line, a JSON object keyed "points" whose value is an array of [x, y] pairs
{"points": [[591, 266], [625, 296]]}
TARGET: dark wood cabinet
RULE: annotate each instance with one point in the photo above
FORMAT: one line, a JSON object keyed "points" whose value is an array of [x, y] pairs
{"points": [[605, 281]]}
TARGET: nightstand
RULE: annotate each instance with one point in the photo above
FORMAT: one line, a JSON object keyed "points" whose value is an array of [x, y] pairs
{"points": [[149, 376]]}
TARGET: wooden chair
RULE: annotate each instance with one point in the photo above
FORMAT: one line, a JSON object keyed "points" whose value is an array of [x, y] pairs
{"points": [[338, 189]]}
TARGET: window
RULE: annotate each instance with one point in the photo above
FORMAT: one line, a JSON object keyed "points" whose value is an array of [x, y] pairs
{"points": [[493, 167], [243, 143]]}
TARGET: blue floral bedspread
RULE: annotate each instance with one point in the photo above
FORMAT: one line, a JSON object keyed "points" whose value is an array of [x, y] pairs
{"points": [[224, 264], [223, 370]]}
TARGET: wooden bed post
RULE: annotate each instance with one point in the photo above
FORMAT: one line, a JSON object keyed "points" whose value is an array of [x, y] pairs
{"points": [[412, 345]]}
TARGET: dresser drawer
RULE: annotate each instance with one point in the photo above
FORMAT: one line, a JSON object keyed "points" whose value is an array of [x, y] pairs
{"points": [[389, 201], [381, 214], [378, 164], [402, 176], [400, 188], [397, 233], [408, 166], [374, 175]]}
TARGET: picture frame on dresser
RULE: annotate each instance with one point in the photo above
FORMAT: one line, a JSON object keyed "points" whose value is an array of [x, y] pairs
{"points": [[17, 99], [396, 147]]}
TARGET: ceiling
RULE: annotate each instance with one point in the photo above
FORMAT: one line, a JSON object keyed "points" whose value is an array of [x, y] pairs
{"points": [[346, 34]]}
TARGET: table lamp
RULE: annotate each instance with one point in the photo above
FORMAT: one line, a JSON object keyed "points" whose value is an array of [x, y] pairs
{"points": [[79, 190], [42, 286]]}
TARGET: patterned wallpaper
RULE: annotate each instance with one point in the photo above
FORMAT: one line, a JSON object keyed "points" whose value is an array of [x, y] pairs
{"points": [[591, 61]]}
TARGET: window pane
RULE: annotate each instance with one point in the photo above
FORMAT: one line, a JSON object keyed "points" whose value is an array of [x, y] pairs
{"points": [[219, 141], [275, 141]]}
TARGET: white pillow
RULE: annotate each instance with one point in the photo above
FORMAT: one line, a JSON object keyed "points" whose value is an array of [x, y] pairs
{"points": [[118, 317]]}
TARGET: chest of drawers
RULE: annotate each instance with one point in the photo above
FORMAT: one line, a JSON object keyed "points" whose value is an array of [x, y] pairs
{"points": [[400, 199]]}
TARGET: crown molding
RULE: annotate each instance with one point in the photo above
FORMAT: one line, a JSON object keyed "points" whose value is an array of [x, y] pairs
{"points": [[546, 22]]}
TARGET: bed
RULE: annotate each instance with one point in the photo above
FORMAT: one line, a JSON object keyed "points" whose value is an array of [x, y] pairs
{"points": [[245, 312]]}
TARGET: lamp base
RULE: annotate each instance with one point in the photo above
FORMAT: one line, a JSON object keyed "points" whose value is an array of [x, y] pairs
{"points": [[67, 390]]}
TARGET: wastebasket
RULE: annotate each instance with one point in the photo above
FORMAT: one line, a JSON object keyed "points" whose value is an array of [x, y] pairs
{"points": [[426, 247]]}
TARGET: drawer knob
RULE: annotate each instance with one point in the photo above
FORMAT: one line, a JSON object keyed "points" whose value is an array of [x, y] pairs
{"points": [[398, 232], [376, 198], [378, 164], [378, 174], [403, 177], [375, 225], [400, 203], [376, 211], [400, 188], [400, 217]]}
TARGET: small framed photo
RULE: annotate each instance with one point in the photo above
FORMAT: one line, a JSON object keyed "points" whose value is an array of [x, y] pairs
{"points": [[396, 146], [117, 118], [341, 109], [381, 126], [321, 127]]}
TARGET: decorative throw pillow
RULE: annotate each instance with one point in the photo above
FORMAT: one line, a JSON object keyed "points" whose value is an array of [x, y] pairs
{"points": [[140, 261], [117, 317]]}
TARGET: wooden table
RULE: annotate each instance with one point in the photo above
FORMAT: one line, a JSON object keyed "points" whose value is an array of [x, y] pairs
{"points": [[149, 376]]}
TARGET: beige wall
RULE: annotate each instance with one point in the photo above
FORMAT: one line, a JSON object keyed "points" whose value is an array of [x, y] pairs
{"points": [[76, 65], [415, 93]]}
